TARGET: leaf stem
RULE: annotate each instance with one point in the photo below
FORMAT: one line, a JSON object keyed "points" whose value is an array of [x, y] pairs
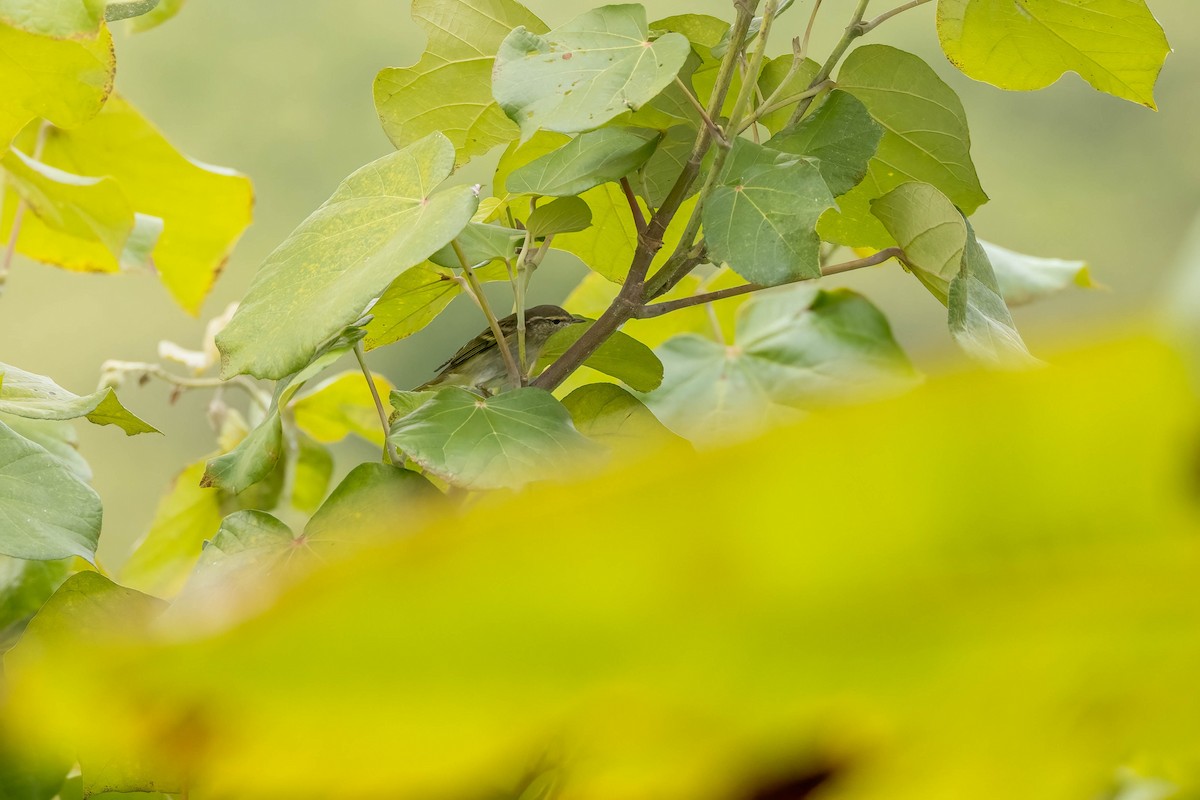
{"points": [[658, 309], [713, 127], [867, 27], [639, 220], [852, 32], [787, 101], [802, 51], [514, 372], [390, 455]]}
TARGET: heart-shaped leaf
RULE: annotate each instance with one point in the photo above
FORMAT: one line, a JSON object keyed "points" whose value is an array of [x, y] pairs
{"points": [[588, 160], [579, 76], [383, 219], [32, 396]]}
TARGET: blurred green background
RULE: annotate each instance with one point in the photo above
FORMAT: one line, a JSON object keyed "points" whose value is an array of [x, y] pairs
{"points": [[282, 91]]}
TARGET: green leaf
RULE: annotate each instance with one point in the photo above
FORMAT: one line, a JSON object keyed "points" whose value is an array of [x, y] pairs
{"points": [[340, 406], [255, 456], [69, 19], [761, 219], [606, 413], [608, 245], [66, 82], [404, 403], [92, 209], [591, 159], [59, 439], [186, 516], [488, 443], [772, 75], [925, 139], [37, 397], [481, 244], [620, 356], [583, 74], [941, 250], [930, 231], [841, 135], [795, 348], [979, 318], [24, 587], [381, 221], [204, 209], [449, 89], [374, 501], [662, 169], [1115, 45], [564, 215], [1023, 279], [410, 303], [312, 473]]}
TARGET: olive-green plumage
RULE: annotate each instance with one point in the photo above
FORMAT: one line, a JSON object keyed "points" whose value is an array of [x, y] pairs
{"points": [[479, 363]]}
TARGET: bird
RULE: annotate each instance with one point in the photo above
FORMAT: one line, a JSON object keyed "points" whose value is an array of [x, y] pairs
{"points": [[479, 365]]}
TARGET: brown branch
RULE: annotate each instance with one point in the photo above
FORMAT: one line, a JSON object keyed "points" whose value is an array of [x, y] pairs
{"points": [[632, 295], [658, 309], [639, 220]]}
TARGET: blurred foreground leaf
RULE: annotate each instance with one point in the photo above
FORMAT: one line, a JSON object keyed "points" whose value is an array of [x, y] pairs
{"points": [[993, 570]]}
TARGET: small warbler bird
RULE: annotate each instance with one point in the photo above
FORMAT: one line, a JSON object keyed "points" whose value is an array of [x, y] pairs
{"points": [[479, 363]]}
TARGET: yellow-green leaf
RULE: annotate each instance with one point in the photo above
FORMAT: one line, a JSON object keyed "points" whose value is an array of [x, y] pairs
{"points": [[1115, 45], [449, 89], [340, 406], [204, 209]]}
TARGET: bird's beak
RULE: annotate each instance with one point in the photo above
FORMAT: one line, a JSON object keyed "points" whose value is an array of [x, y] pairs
{"points": [[577, 319]]}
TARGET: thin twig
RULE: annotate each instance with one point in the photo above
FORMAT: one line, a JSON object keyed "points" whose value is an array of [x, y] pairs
{"points": [[639, 220], [852, 32], [514, 372], [713, 127], [867, 27], [802, 52], [658, 309], [184, 382], [633, 291], [785, 102], [389, 452]]}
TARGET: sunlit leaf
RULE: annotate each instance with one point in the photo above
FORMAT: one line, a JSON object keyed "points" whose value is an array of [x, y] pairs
{"points": [[620, 356], [204, 209], [925, 139], [584, 73], [486, 443], [65, 82], [841, 135], [481, 244], [1115, 45], [372, 501], [410, 303], [449, 89], [340, 406], [157, 16], [796, 348], [93, 210], [587, 160], [383, 219], [37, 397], [761, 219], [564, 215], [608, 414], [186, 516], [1023, 278]]}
